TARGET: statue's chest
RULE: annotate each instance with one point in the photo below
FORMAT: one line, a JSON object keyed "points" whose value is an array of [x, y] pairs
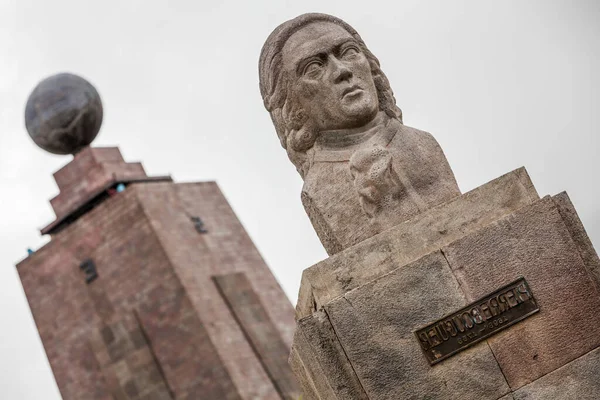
{"points": [[354, 203]]}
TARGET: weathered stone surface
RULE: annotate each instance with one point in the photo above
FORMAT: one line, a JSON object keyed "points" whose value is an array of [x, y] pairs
{"points": [[301, 372], [90, 172], [262, 334], [375, 325], [410, 240], [578, 380], [578, 234], [535, 243], [151, 260], [128, 365], [192, 366], [336, 116], [406, 248], [225, 248], [327, 368]]}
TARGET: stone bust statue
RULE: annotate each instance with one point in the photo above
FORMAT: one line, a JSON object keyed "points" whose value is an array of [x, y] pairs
{"points": [[336, 115]]}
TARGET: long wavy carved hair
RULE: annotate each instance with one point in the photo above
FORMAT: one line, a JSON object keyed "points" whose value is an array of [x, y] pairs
{"points": [[292, 124]]}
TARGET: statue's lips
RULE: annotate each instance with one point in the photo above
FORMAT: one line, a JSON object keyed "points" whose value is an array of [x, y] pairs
{"points": [[352, 90]]}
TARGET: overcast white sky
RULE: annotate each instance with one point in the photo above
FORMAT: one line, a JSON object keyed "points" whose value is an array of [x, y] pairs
{"points": [[500, 84]]}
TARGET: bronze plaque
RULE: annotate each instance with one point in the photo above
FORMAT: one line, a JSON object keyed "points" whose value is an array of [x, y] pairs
{"points": [[477, 321]]}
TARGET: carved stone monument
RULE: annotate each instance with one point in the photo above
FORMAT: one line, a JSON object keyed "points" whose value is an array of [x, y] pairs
{"points": [[336, 116], [428, 293]]}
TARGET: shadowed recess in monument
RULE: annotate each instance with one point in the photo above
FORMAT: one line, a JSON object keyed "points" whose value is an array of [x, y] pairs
{"points": [[127, 361], [89, 269], [198, 224]]}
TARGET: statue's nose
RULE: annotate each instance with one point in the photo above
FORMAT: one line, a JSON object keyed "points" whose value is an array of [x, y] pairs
{"points": [[340, 71]]}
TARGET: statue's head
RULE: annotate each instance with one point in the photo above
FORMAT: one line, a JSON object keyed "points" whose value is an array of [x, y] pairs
{"points": [[316, 74]]}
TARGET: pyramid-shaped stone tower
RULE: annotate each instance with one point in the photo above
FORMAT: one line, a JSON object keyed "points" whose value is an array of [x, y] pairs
{"points": [[148, 289]]}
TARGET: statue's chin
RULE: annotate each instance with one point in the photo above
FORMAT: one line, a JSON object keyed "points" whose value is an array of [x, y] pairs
{"points": [[359, 116], [359, 110], [351, 113]]}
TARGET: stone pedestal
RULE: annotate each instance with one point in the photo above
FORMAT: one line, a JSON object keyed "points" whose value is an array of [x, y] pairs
{"points": [[358, 310]]}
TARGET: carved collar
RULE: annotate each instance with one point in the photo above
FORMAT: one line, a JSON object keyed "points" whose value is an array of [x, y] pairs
{"points": [[338, 146]]}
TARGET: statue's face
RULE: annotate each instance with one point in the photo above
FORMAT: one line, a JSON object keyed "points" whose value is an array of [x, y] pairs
{"points": [[331, 77]]}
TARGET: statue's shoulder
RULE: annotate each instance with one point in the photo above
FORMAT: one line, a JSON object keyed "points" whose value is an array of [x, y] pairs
{"points": [[417, 136], [414, 131]]}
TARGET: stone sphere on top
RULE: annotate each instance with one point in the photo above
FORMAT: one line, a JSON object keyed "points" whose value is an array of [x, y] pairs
{"points": [[63, 114]]}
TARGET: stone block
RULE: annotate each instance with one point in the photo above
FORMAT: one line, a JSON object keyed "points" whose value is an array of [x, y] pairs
{"points": [[375, 325], [534, 243], [300, 372], [83, 161], [327, 370], [578, 380], [578, 234], [412, 239]]}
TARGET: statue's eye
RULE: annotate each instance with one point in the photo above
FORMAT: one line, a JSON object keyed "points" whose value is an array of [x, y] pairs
{"points": [[349, 52], [313, 68]]}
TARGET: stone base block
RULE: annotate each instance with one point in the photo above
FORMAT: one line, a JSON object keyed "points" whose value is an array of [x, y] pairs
{"points": [[413, 239], [373, 297], [375, 325], [578, 380], [536, 244]]}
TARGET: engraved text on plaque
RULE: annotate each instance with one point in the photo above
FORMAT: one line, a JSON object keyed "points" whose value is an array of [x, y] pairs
{"points": [[477, 321]]}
